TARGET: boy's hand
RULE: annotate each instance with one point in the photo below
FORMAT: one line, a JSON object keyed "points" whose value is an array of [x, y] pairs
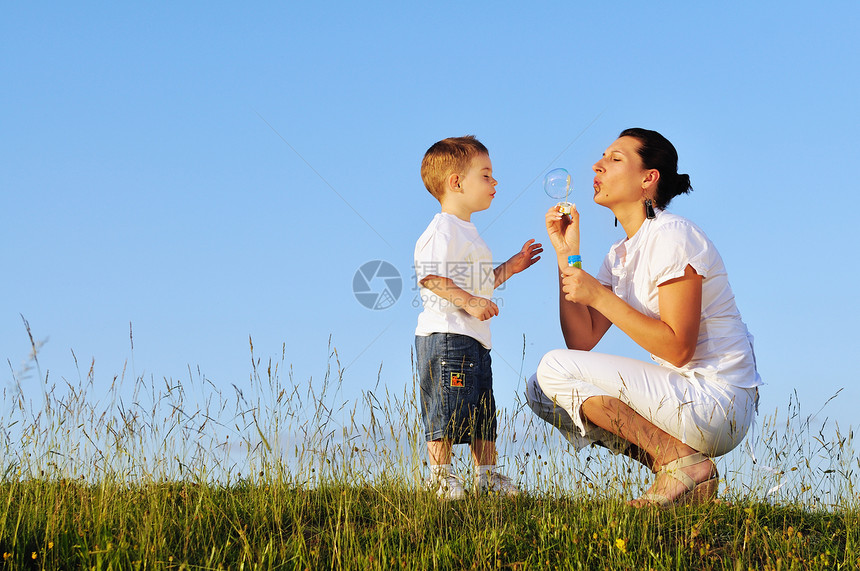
{"points": [[481, 308], [478, 307], [518, 262], [527, 256]]}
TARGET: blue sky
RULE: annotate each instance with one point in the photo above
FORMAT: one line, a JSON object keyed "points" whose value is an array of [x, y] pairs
{"points": [[210, 172]]}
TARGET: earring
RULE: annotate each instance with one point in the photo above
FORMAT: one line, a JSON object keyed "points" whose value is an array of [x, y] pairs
{"points": [[616, 222], [649, 209]]}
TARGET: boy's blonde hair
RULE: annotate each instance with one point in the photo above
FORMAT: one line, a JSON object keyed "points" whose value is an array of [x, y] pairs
{"points": [[451, 155]]}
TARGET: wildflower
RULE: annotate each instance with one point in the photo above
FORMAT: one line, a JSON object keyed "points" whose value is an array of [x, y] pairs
{"points": [[621, 545], [50, 545], [34, 555], [6, 556]]}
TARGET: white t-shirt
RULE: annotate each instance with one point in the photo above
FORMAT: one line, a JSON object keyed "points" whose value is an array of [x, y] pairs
{"points": [[452, 248], [660, 251]]}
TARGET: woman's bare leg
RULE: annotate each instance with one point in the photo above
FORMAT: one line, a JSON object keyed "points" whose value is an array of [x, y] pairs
{"points": [[654, 444]]}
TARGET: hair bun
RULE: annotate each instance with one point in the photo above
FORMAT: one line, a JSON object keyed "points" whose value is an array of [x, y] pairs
{"points": [[657, 152], [682, 184]]}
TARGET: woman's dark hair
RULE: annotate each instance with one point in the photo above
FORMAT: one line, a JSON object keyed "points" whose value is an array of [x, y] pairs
{"points": [[658, 153]]}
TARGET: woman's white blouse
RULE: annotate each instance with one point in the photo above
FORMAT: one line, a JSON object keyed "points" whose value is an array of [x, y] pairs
{"points": [[660, 251]]}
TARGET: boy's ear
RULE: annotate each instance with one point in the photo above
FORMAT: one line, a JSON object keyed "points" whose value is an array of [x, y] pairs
{"points": [[453, 181]]}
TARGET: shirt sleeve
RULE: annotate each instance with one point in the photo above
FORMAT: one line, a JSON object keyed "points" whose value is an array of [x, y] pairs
{"points": [[604, 274], [432, 253], [677, 245]]}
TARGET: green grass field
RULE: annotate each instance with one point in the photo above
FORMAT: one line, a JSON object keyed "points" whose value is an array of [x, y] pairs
{"points": [[174, 474], [272, 525]]}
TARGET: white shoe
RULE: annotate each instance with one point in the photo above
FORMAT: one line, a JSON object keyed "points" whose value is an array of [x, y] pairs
{"points": [[447, 487], [495, 483]]}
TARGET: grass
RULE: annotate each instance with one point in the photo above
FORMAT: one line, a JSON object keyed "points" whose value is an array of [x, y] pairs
{"points": [[270, 525], [162, 474]]}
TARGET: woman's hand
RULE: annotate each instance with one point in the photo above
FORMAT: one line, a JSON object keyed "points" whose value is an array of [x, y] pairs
{"points": [[580, 287], [563, 233]]}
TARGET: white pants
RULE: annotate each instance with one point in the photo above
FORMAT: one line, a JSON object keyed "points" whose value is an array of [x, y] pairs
{"points": [[710, 417]]}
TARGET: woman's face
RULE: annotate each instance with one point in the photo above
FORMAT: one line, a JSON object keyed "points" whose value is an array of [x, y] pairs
{"points": [[619, 174]]}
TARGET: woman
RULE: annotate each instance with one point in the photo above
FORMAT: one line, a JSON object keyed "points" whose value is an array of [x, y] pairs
{"points": [[666, 287]]}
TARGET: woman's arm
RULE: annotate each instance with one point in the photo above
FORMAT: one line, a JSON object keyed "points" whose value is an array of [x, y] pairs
{"points": [[672, 337], [581, 326]]}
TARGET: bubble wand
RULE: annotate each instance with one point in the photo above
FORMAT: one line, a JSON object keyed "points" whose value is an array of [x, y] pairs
{"points": [[556, 184]]}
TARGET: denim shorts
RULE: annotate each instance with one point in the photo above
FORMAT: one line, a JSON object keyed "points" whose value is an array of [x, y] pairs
{"points": [[456, 382]]}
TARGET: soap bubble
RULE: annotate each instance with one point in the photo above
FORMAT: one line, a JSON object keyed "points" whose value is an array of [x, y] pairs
{"points": [[556, 184]]}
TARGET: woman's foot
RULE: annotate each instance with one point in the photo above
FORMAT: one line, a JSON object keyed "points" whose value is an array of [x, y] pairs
{"points": [[692, 479]]}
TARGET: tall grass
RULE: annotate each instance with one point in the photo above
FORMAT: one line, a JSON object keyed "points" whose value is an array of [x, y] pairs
{"points": [[287, 473]]}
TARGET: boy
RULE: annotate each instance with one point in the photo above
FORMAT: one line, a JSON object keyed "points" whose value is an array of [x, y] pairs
{"points": [[454, 270]]}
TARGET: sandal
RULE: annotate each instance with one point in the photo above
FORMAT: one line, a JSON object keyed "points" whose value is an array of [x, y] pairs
{"points": [[703, 492]]}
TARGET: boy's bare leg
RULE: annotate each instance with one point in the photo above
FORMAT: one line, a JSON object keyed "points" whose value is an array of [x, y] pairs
{"points": [[442, 480], [483, 452], [439, 452], [658, 446]]}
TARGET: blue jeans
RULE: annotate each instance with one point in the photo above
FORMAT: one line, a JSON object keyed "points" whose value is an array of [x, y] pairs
{"points": [[456, 382]]}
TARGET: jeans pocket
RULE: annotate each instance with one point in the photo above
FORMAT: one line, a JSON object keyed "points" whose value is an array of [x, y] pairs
{"points": [[458, 376], [458, 394]]}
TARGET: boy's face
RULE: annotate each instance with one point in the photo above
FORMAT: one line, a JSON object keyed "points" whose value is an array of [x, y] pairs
{"points": [[477, 185]]}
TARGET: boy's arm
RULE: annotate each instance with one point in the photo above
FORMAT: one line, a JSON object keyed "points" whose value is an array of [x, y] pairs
{"points": [[478, 307], [523, 259]]}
